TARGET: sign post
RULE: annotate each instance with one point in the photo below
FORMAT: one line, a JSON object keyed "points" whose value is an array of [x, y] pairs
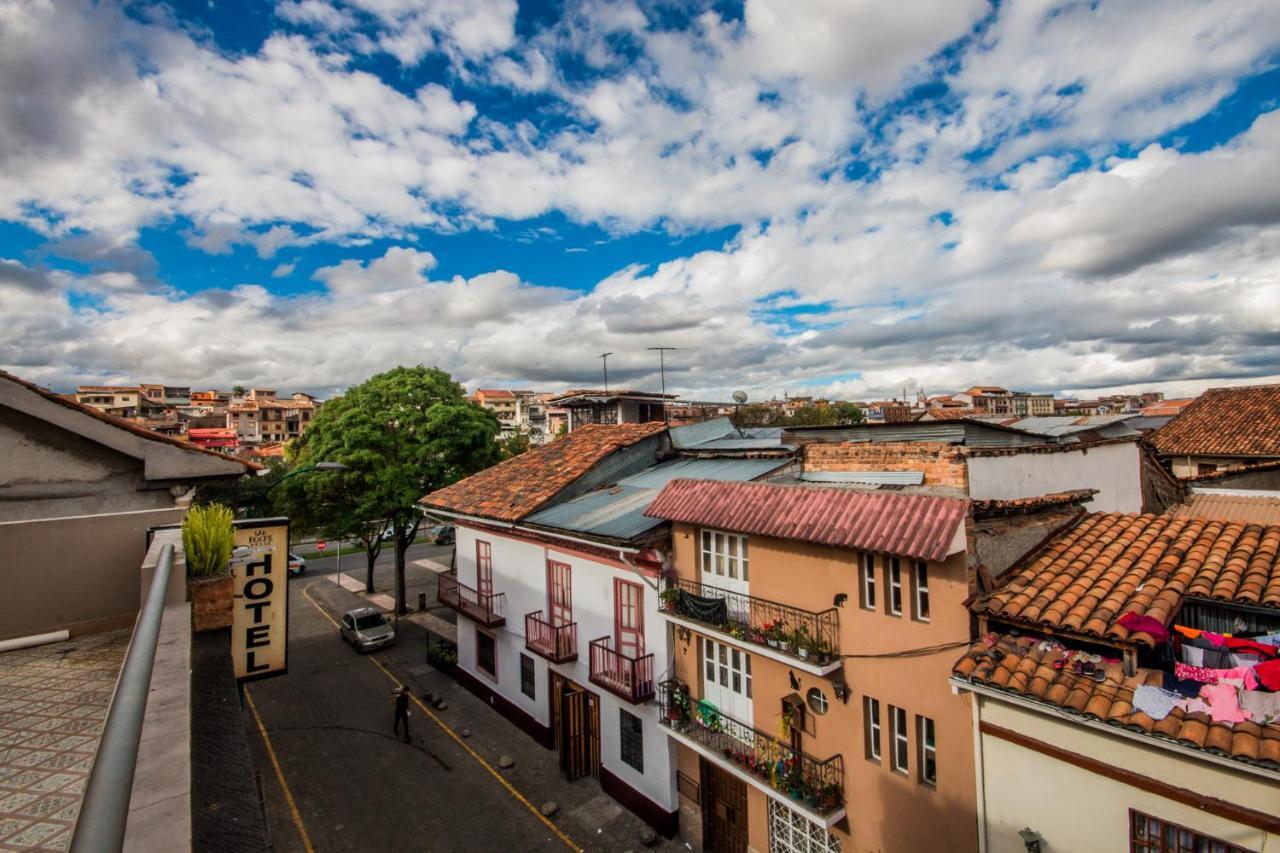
{"points": [[260, 598], [321, 545], [339, 561]]}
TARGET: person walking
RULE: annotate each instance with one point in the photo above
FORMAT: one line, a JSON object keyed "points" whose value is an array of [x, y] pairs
{"points": [[402, 710]]}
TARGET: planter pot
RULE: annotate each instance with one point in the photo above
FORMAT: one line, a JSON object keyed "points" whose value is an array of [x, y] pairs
{"points": [[804, 653], [773, 644], [210, 602]]}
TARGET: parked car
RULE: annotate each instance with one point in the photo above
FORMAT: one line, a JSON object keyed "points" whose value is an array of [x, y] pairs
{"points": [[389, 533], [366, 629], [297, 565], [442, 534]]}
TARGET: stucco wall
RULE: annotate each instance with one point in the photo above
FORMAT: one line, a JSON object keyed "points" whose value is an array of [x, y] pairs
{"points": [[1074, 809], [887, 811], [519, 571], [1115, 470], [80, 573]]}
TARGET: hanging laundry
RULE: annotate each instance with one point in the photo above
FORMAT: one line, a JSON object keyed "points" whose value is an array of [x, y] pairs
{"points": [[1193, 706], [1189, 633], [1265, 650], [1212, 676], [1216, 639], [1224, 703], [1155, 702], [1204, 654], [1269, 674], [1144, 624], [1185, 687], [1262, 706]]}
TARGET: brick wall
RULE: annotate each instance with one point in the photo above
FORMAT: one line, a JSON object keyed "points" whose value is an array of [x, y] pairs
{"points": [[942, 464]]}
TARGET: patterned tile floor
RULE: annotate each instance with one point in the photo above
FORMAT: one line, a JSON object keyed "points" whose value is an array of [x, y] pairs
{"points": [[53, 702]]}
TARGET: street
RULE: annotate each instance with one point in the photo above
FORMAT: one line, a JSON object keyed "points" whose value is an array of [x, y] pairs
{"points": [[354, 786]]}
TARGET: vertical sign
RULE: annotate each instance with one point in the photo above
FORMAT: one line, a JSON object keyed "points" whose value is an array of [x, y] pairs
{"points": [[260, 598]]}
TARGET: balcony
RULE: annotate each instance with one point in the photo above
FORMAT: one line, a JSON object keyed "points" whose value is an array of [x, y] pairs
{"points": [[626, 677], [556, 643], [799, 638], [809, 785], [487, 610]]}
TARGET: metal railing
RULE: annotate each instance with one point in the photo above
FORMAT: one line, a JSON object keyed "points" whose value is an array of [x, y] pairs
{"points": [[791, 630], [486, 608], [104, 810], [818, 784], [556, 643], [627, 677]]}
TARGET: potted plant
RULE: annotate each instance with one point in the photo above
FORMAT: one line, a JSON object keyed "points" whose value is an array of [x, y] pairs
{"points": [[207, 540], [801, 640], [670, 598], [775, 633], [829, 797], [819, 649]]}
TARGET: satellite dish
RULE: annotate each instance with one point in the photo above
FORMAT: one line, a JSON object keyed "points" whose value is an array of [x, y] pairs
{"points": [[739, 396]]}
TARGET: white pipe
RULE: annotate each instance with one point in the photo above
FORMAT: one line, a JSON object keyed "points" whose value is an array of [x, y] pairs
{"points": [[34, 640]]}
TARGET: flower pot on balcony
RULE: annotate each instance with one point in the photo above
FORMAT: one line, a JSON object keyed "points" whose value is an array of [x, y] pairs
{"points": [[210, 599]]}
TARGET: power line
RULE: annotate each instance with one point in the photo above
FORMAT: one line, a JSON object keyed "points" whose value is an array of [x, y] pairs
{"points": [[604, 357], [662, 371]]}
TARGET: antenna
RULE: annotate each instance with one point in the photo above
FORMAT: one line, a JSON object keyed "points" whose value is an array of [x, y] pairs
{"points": [[662, 370], [604, 357], [739, 397]]}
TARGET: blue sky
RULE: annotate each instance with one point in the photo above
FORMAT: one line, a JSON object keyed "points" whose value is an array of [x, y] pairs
{"points": [[840, 197]]}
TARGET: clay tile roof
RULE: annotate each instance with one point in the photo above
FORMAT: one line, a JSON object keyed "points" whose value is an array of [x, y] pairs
{"points": [[1019, 666], [1225, 422], [1229, 473], [1109, 564], [1262, 508], [524, 484], [997, 506], [918, 526]]}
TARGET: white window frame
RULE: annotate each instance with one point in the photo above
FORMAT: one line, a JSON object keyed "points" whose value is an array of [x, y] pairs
{"points": [[893, 601], [899, 740], [871, 724], [926, 734], [920, 590], [717, 666], [792, 832], [869, 581], [724, 555]]}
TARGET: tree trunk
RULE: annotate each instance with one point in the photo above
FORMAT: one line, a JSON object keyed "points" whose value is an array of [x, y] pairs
{"points": [[400, 605], [371, 557]]}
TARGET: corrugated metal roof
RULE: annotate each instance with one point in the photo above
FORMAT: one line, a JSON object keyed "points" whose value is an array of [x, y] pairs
{"points": [[885, 478], [741, 444], [687, 436], [1262, 508], [916, 526], [617, 512]]}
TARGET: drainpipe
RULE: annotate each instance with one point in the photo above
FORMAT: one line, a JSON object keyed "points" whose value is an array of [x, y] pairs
{"points": [[980, 773]]}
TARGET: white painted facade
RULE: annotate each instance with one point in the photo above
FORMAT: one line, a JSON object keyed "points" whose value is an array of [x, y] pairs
{"points": [[1073, 808], [520, 573], [1115, 470]]}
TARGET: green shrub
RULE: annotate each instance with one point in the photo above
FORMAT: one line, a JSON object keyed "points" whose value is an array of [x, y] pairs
{"points": [[208, 537]]}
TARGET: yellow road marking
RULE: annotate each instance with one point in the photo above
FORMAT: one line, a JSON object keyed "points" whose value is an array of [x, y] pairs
{"points": [[456, 737], [284, 786]]}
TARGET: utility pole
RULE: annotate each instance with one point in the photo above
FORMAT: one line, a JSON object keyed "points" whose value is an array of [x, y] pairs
{"points": [[604, 357], [662, 371]]}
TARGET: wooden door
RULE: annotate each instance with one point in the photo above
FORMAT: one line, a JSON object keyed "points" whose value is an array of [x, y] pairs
{"points": [[724, 810], [628, 617], [484, 569], [575, 716], [559, 593]]}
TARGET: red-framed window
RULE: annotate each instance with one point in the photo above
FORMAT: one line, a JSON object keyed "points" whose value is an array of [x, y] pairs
{"points": [[628, 617], [484, 567], [559, 592], [1149, 834]]}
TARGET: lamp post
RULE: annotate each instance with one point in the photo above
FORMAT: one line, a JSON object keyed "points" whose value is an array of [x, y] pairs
{"points": [[311, 469]]}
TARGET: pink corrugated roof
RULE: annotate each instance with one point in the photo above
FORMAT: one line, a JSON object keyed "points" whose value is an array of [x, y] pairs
{"points": [[919, 526]]}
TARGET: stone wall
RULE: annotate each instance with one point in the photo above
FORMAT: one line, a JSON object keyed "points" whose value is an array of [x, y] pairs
{"points": [[942, 464]]}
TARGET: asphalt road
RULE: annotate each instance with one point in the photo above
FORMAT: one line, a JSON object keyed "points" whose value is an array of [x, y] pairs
{"points": [[354, 786]]}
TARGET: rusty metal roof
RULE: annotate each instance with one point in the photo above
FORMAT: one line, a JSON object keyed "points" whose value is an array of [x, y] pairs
{"points": [[918, 526]]}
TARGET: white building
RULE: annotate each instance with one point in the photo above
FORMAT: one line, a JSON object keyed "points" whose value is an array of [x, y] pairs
{"points": [[557, 578]]}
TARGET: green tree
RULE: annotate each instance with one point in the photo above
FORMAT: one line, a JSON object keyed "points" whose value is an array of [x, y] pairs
{"points": [[514, 445], [400, 434], [812, 416], [847, 413], [250, 496]]}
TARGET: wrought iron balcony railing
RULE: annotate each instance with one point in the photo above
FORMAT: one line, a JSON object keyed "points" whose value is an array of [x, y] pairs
{"points": [[488, 609], [817, 784], [556, 643], [801, 633], [626, 677]]}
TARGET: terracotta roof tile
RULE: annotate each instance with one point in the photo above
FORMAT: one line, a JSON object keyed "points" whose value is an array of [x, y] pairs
{"points": [[1111, 700], [1225, 422], [1109, 564], [524, 484]]}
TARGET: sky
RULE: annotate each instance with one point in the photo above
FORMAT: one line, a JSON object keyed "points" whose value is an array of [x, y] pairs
{"points": [[839, 197]]}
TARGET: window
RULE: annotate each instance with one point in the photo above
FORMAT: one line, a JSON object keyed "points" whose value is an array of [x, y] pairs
{"points": [[527, 676], [486, 654], [728, 667], [484, 567], [817, 701], [898, 736], [632, 740], [869, 581], [871, 726], [895, 586], [792, 832], [928, 759], [1152, 835], [724, 555], [920, 587]]}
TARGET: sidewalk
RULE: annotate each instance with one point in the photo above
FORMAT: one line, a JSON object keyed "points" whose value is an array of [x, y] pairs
{"points": [[593, 819]]}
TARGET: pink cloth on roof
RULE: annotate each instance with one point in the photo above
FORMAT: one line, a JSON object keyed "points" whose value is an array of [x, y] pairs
{"points": [[1212, 676], [1144, 625], [1193, 706], [1224, 703]]}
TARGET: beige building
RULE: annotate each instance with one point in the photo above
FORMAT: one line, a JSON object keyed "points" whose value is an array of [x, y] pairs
{"points": [[120, 400], [261, 418], [78, 491]]}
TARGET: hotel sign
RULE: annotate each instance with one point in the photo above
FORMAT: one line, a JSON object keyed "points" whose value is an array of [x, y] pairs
{"points": [[260, 598]]}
